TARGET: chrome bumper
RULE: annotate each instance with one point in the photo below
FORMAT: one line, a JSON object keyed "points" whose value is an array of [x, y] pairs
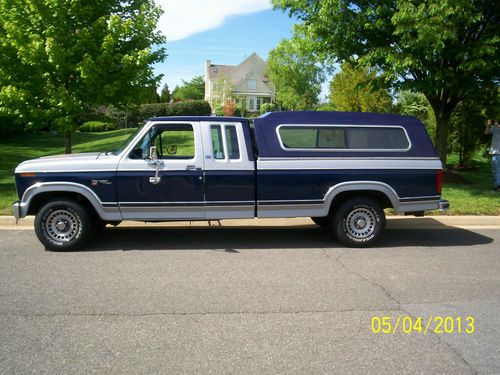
{"points": [[19, 209], [443, 205]]}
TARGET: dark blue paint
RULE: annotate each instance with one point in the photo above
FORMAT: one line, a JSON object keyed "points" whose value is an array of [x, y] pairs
{"points": [[268, 144], [313, 184], [106, 193], [229, 185], [175, 186]]}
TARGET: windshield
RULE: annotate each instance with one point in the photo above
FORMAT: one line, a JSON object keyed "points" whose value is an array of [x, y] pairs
{"points": [[126, 142]]}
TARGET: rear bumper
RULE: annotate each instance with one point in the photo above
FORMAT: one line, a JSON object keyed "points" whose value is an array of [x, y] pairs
{"points": [[443, 205]]}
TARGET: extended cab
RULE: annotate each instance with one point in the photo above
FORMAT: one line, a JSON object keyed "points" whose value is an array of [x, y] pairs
{"points": [[341, 169]]}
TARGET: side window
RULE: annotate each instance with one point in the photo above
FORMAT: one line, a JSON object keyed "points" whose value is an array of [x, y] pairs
{"points": [[174, 141], [348, 137], [233, 149], [224, 142], [217, 142]]}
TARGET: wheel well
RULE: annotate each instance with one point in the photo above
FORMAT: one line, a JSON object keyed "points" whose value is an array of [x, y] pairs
{"points": [[40, 199], [378, 196]]}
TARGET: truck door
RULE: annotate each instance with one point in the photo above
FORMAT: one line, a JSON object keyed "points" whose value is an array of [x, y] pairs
{"points": [[229, 171], [177, 190]]}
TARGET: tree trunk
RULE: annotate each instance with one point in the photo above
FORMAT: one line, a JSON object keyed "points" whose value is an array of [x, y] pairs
{"points": [[67, 143], [443, 108], [442, 130]]}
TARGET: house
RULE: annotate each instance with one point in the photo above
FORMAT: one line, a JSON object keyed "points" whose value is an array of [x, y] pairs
{"points": [[247, 84]]}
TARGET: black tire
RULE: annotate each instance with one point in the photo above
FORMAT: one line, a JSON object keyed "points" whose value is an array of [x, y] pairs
{"points": [[324, 221], [359, 222], [63, 225]]}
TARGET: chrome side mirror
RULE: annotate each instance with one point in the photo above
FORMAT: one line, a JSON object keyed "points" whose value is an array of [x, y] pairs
{"points": [[153, 154]]}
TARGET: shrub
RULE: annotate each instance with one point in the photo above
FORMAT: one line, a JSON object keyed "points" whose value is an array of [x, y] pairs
{"points": [[267, 107], [97, 126], [182, 108], [240, 112], [229, 108], [9, 127], [219, 110]]}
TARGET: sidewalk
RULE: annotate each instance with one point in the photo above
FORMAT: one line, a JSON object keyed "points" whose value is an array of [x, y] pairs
{"points": [[393, 222]]}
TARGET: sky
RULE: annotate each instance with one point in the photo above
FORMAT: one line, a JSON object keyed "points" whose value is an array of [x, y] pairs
{"points": [[223, 31]]}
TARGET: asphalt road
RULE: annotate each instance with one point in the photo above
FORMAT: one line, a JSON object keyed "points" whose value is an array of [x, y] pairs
{"points": [[255, 300]]}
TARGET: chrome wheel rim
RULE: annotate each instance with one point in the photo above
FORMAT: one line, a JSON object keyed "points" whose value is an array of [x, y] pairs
{"points": [[361, 223], [62, 226]]}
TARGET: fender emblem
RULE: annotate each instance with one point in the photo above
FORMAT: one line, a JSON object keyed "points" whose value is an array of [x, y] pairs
{"points": [[102, 182]]}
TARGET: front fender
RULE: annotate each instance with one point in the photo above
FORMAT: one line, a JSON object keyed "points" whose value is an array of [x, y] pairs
{"points": [[21, 208]]}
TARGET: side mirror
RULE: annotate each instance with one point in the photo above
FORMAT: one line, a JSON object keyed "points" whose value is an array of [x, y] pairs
{"points": [[171, 150], [153, 155]]}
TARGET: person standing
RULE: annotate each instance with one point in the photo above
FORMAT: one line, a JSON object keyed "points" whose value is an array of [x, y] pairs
{"points": [[493, 128]]}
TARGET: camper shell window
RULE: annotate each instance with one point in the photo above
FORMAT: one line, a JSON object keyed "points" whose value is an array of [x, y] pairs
{"points": [[343, 137]]}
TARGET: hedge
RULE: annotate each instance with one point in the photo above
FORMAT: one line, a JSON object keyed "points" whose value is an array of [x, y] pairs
{"points": [[97, 126], [184, 108]]}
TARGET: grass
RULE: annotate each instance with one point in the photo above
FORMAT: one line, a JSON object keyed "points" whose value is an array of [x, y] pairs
{"points": [[474, 195], [470, 194]]}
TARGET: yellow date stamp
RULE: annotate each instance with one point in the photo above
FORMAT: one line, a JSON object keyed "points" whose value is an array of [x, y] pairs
{"points": [[391, 325]]}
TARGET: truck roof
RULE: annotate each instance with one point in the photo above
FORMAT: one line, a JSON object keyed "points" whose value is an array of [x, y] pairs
{"points": [[200, 118]]}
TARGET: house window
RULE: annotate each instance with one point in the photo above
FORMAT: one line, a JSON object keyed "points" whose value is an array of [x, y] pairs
{"points": [[251, 104], [252, 84], [214, 85], [259, 102]]}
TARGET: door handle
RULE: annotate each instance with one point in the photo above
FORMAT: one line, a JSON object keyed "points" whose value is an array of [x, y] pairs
{"points": [[192, 168]]}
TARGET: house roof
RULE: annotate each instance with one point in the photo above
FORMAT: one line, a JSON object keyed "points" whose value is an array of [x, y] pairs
{"points": [[216, 71]]}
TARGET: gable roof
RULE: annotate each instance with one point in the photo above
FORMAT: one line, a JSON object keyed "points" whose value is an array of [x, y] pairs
{"points": [[231, 71]]}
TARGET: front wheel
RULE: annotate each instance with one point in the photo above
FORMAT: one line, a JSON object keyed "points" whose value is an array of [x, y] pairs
{"points": [[359, 222], [62, 225]]}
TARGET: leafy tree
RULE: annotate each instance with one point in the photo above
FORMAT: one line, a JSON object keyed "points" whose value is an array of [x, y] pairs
{"points": [[192, 90], [352, 89], [467, 124], [445, 49], [148, 95], [222, 91], [59, 58], [295, 75], [165, 94], [413, 104]]}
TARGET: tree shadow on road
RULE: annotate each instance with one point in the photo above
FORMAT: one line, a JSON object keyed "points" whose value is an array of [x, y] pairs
{"points": [[232, 239]]}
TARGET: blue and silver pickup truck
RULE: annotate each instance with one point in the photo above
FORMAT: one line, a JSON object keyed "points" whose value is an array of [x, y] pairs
{"points": [[341, 169]]}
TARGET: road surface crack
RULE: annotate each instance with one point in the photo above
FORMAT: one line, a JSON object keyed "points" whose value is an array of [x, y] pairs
{"points": [[388, 294]]}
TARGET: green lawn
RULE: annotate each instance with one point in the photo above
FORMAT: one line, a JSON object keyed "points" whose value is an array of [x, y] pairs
{"points": [[469, 195], [474, 196]]}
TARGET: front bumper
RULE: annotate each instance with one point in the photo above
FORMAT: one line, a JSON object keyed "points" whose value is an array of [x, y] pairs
{"points": [[443, 205], [19, 209]]}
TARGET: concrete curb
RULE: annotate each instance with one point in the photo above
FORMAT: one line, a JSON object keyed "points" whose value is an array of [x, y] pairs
{"points": [[393, 222]]}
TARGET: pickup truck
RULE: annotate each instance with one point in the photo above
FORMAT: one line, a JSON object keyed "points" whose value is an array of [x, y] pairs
{"points": [[341, 169]]}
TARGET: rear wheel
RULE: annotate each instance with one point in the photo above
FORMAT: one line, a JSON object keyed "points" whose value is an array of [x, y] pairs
{"points": [[62, 225], [359, 222]]}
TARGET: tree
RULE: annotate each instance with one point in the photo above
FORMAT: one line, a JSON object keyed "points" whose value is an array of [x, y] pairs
{"points": [[445, 49], [59, 58], [296, 76], [165, 94], [352, 89], [413, 104], [467, 124], [192, 90]]}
